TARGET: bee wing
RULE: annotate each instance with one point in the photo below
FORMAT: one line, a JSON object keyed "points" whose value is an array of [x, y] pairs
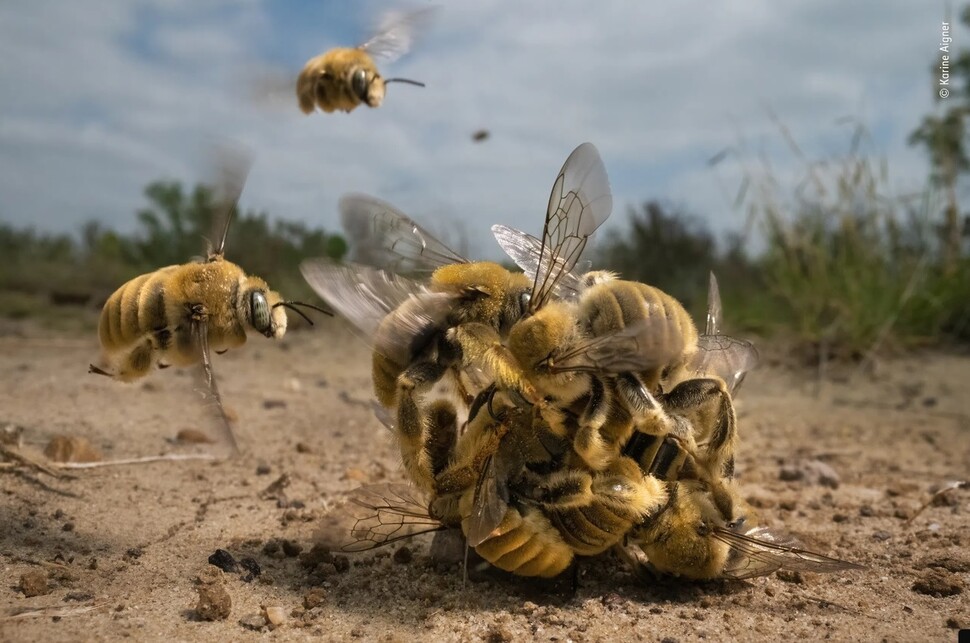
{"points": [[366, 296], [200, 330], [490, 505], [727, 357], [714, 312], [579, 203], [638, 347], [385, 237], [762, 551], [233, 165], [396, 32], [376, 515], [525, 250]]}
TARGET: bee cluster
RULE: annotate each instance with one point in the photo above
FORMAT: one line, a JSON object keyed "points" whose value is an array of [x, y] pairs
{"points": [[551, 413]]}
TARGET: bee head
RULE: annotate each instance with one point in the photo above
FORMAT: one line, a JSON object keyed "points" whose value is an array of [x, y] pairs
{"points": [[680, 539], [535, 339], [263, 312], [368, 86]]}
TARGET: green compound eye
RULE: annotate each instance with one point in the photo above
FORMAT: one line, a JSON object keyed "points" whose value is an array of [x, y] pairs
{"points": [[358, 83], [259, 311]]}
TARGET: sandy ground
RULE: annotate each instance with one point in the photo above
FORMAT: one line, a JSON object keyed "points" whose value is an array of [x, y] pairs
{"points": [[121, 547]]}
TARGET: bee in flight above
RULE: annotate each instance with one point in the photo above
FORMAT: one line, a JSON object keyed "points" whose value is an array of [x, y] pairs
{"points": [[345, 77], [177, 315]]}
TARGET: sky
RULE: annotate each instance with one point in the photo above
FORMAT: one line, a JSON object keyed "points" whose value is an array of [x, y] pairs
{"points": [[102, 97]]}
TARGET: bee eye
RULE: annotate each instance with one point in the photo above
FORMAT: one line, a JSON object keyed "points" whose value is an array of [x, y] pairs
{"points": [[703, 530], [358, 83], [259, 311]]}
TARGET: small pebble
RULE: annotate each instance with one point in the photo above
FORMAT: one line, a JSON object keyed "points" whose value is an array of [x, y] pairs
{"points": [[403, 556], [34, 583], [275, 615], [314, 598], [214, 602], [224, 561], [263, 469]]}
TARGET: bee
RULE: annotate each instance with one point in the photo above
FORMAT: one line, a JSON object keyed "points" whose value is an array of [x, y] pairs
{"points": [[345, 77], [458, 321], [622, 341], [701, 534], [178, 315]]}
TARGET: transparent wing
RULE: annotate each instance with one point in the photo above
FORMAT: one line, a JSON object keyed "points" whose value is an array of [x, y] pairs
{"points": [[233, 165], [396, 32], [376, 515], [714, 312], [727, 357], [761, 551], [392, 313], [720, 355], [383, 236], [200, 331], [638, 347], [524, 250], [579, 203], [490, 505]]}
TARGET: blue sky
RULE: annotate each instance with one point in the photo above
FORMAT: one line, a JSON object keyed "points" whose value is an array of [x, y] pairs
{"points": [[103, 96]]}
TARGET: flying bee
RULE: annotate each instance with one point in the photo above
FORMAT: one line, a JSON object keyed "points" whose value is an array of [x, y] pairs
{"points": [[456, 322], [345, 77], [178, 315]]}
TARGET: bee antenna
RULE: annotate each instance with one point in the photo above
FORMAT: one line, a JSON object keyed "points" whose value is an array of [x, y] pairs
{"points": [[403, 80], [292, 305]]}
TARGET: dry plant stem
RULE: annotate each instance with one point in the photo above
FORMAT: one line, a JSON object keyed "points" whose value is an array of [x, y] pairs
{"points": [[174, 457], [14, 454], [52, 611], [958, 484]]}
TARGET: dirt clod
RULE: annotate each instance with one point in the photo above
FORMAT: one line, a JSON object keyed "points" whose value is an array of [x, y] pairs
{"points": [[214, 602], [314, 598], [252, 569], [403, 556], [291, 548], [224, 561], [938, 583], [317, 554], [34, 583], [790, 576]]}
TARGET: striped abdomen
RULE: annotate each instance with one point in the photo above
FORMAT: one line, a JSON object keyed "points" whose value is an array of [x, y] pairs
{"points": [[134, 311], [615, 305], [527, 544]]}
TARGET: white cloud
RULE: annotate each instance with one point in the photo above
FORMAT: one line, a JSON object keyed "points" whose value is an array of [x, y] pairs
{"points": [[99, 100]]}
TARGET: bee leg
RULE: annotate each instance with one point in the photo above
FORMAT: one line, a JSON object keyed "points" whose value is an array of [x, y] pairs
{"points": [[411, 423], [635, 395], [477, 344], [558, 490], [137, 363], [94, 370], [707, 406], [442, 434], [589, 442], [642, 571]]}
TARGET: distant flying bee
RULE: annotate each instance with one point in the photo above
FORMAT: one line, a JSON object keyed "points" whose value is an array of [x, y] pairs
{"points": [[343, 78], [458, 321], [177, 315]]}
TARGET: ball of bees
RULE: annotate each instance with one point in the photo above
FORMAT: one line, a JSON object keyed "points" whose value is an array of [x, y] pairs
{"points": [[601, 416], [345, 77]]}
